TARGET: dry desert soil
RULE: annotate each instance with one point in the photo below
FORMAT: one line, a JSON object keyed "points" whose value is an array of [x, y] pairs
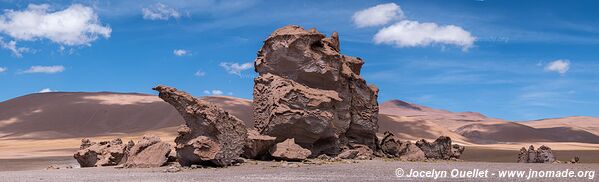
{"points": [[373, 170]]}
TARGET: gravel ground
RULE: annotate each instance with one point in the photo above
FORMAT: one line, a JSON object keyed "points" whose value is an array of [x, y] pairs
{"points": [[375, 170]]}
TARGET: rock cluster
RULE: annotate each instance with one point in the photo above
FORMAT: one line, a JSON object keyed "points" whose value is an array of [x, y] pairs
{"points": [[542, 155], [441, 148], [210, 136], [392, 147], [150, 151], [104, 153], [309, 100], [309, 91]]}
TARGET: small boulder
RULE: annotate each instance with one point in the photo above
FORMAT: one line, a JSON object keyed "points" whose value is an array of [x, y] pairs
{"points": [[545, 155], [150, 151], [393, 147], [257, 145], [412, 153], [357, 151], [104, 153], [574, 160], [441, 148], [288, 150]]}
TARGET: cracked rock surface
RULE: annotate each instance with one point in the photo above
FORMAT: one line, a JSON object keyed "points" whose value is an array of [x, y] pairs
{"points": [[309, 91]]}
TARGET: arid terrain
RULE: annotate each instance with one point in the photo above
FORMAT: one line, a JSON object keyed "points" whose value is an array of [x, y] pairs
{"points": [[35, 132]]}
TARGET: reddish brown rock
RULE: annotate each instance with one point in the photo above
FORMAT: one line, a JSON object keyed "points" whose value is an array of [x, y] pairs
{"points": [[412, 153], [357, 151], [296, 111], [523, 156], [211, 136], [308, 90], [393, 147], [542, 155], [150, 151], [441, 148], [257, 145], [104, 153], [288, 150]]}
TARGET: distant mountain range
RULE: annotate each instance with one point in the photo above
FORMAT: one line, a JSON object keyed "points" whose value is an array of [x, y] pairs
{"points": [[85, 114]]}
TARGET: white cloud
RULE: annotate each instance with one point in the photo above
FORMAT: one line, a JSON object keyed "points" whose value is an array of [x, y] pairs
{"points": [[12, 46], [378, 15], [159, 11], [76, 25], [213, 92], [180, 52], [3, 69], [414, 34], [45, 69], [200, 73], [236, 68], [560, 66], [46, 90]]}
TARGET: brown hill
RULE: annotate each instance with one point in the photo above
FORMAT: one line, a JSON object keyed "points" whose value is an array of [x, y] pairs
{"points": [[585, 123], [77, 114], [444, 118], [477, 128]]}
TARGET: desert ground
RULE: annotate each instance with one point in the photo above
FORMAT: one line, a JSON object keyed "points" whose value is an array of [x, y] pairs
{"points": [[374, 170], [35, 134]]}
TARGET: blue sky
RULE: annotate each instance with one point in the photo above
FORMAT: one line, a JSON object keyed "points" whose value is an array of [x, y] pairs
{"points": [[517, 60]]}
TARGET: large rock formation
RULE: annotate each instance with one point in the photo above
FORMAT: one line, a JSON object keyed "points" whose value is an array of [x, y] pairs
{"points": [[441, 148], [542, 155], [308, 90], [150, 151], [104, 153], [210, 136]]}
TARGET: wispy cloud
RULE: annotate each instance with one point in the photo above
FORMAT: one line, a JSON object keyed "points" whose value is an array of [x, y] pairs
{"points": [[3, 69], [73, 26], [180, 52], [236, 68], [12, 47], [378, 15], [160, 11], [560, 66], [213, 92], [200, 73], [45, 69]]}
